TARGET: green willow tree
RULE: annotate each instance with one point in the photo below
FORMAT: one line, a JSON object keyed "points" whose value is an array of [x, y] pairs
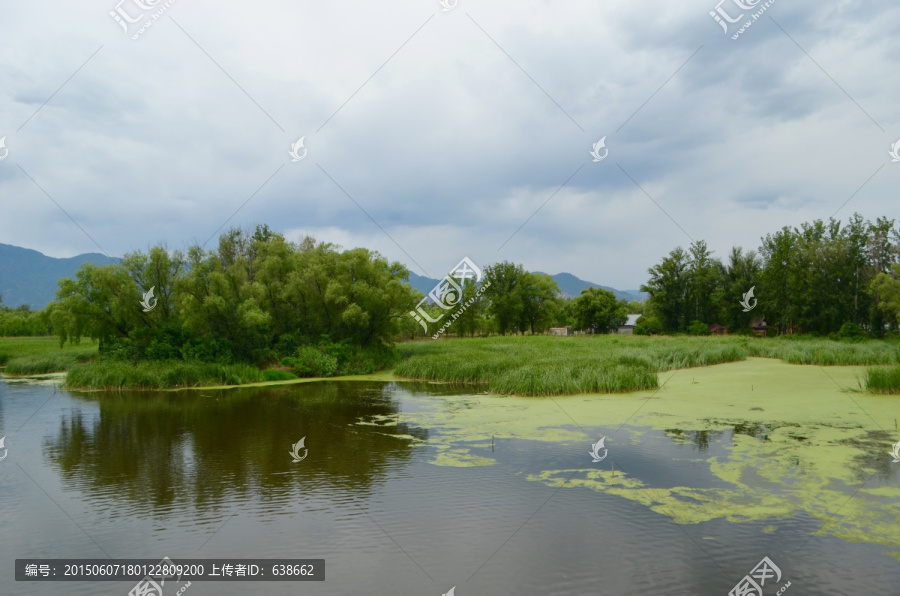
{"points": [[503, 295], [253, 299], [598, 311], [539, 295]]}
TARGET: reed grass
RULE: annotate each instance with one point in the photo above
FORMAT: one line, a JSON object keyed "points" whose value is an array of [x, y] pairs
{"points": [[883, 379], [544, 365], [162, 374]]}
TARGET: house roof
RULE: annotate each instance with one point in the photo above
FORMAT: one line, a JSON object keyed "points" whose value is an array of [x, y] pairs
{"points": [[632, 320], [759, 322]]}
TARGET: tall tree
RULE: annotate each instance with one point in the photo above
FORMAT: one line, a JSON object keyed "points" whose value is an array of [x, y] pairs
{"points": [[668, 286], [741, 274], [505, 300], [780, 278], [538, 293], [705, 274], [598, 311]]}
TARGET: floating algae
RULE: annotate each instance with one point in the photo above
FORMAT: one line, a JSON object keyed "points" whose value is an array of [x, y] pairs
{"points": [[801, 442]]}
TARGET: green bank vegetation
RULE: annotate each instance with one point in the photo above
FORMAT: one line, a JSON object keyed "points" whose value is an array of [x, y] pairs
{"points": [[538, 365], [168, 374], [610, 363], [39, 355]]}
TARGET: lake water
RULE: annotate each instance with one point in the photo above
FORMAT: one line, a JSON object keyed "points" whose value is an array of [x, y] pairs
{"points": [[402, 492]]}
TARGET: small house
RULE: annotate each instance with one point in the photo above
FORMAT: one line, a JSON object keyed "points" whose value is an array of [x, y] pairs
{"points": [[628, 327], [760, 326], [716, 329], [560, 331]]}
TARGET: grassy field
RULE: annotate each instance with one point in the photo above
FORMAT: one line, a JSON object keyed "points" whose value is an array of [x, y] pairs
{"points": [[39, 355], [544, 365]]}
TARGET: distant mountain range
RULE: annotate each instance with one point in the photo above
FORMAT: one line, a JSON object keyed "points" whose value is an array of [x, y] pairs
{"points": [[29, 277], [569, 285]]}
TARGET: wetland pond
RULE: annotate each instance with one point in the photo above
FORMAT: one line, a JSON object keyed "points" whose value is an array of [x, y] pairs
{"points": [[403, 492]]}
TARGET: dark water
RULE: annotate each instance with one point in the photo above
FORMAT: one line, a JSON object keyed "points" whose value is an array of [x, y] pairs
{"points": [[208, 474]]}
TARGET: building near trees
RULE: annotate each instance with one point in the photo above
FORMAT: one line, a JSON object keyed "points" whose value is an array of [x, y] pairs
{"points": [[628, 327]]}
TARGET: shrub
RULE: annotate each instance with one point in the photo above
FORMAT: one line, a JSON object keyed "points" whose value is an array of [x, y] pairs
{"points": [[207, 350], [850, 330], [274, 374], [698, 328], [364, 361], [647, 325], [288, 343], [312, 362]]}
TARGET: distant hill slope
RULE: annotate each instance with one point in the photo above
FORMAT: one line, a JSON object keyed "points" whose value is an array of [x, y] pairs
{"points": [[421, 283], [29, 277], [568, 284], [572, 286]]}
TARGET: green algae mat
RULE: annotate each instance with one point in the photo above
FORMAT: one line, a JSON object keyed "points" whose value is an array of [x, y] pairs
{"points": [[800, 440]]}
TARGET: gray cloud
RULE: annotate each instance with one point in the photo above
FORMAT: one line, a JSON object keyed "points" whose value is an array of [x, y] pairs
{"points": [[450, 146]]}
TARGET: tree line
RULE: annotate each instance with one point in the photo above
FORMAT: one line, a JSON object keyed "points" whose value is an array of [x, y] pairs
{"points": [[518, 301], [22, 321], [819, 278], [259, 298]]}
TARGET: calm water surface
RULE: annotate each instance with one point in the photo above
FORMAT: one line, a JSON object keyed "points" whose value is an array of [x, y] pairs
{"points": [[208, 474]]}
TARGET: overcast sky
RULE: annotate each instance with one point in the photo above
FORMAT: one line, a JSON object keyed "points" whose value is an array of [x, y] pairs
{"points": [[435, 134]]}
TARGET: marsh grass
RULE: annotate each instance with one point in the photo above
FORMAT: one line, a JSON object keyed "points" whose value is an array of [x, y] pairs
{"points": [[543, 365], [883, 379], [40, 355], [825, 352], [165, 374]]}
